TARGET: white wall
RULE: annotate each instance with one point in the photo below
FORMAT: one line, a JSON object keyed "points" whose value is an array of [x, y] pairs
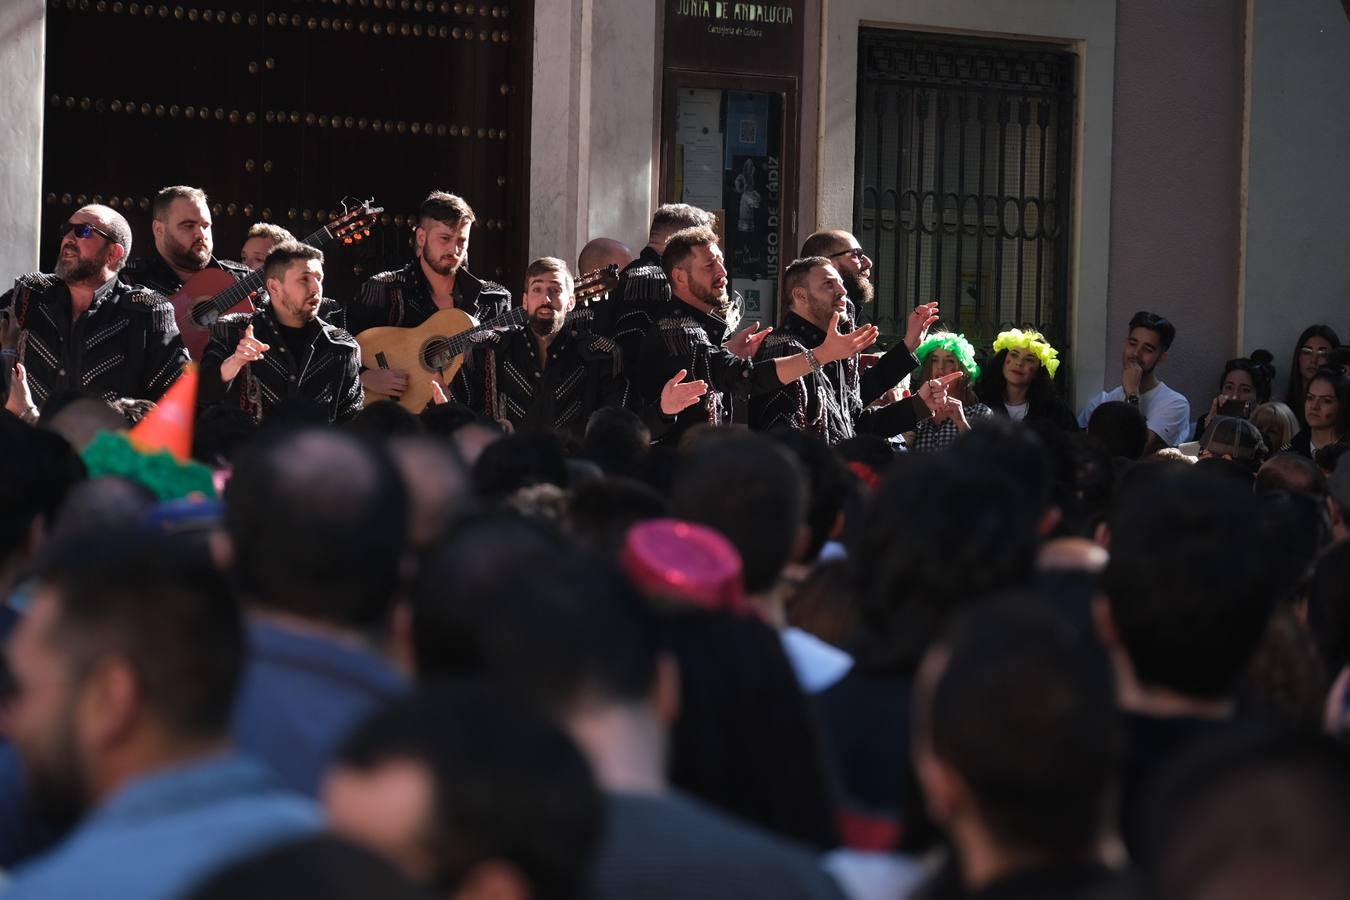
{"points": [[21, 60], [593, 124], [1298, 212], [1089, 25]]}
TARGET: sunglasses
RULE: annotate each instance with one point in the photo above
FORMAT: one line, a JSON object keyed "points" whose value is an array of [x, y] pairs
{"points": [[83, 230]]}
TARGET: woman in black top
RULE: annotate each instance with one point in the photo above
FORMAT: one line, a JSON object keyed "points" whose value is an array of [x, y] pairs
{"points": [[1312, 352], [1018, 381], [1326, 410]]}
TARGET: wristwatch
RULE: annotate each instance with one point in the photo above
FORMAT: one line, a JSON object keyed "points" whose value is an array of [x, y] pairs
{"points": [[1132, 399]]}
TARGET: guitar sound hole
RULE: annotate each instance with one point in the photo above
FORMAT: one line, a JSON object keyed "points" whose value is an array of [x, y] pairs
{"points": [[434, 354]]}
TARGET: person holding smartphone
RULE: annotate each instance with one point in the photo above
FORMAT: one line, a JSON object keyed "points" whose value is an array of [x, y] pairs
{"points": [[1243, 386]]}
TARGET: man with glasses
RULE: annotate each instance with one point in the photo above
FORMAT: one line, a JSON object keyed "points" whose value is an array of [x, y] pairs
{"points": [[81, 328], [846, 255], [1167, 412]]}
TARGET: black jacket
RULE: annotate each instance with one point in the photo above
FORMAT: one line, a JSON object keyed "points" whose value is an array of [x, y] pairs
{"points": [[687, 338], [502, 379], [155, 273], [125, 345], [834, 403], [403, 297], [328, 373]]}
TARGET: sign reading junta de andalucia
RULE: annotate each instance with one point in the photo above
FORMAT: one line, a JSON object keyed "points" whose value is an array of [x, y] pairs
{"points": [[731, 19]]}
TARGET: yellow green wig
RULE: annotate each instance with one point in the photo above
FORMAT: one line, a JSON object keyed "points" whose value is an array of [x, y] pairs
{"points": [[1033, 342]]}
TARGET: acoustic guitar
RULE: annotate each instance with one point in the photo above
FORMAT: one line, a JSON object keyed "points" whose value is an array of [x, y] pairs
{"points": [[435, 349], [211, 293]]}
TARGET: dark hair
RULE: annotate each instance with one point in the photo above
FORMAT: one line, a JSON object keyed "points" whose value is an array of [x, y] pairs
{"points": [[751, 490], [444, 207], [519, 460], [1189, 607], [319, 866], [1260, 375], [1291, 472], [1043, 756], [680, 247], [1339, 357], [1121, 428], [675, 216], [827, 484], [1297, 388], [509, 786], [992, 386], [280, 257], [746, 740], [602, 511], [385, 419], [37, 469], [1166, 331], [318, 519], [616, 440], [550, 265], [1327, 457], [798, 272], [160, 605], [1340, 384], [1329, 606], [166, 196], [517, 601], [1260, 814], [976, 513]]}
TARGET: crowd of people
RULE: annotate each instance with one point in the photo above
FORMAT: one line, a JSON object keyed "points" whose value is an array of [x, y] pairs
{"points": [[647, 601]]}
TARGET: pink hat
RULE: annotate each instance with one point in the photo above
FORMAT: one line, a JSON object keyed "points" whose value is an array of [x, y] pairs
{"points": [[667, 558]]}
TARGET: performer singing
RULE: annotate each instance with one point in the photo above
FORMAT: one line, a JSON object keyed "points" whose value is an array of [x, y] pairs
{"points": [[284, 349]]}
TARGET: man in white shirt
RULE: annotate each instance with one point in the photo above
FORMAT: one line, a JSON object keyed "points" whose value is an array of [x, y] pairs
{"points": [[1168, 413]]}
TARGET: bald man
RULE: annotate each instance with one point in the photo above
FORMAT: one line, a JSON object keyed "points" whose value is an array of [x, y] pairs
{"points": [[595, 313], [602, 251], [846, 255], [82, 328]]}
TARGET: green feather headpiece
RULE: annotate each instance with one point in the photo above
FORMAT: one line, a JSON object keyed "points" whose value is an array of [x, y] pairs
{"points": [[956, 345]]}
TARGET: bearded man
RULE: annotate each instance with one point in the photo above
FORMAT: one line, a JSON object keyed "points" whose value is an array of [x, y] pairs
{"points": [[692, 336], [853, 265], [435, 279], [542, 377], [82, 328], [284, 350], [184, 243]]}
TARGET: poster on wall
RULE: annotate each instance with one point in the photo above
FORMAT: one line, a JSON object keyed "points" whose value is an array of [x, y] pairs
{"points": [[728, 155]]}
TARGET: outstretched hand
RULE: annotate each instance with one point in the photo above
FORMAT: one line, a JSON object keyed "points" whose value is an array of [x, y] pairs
{"points": [[923, 318], [745, 343], [678, 394], [841, 346]]}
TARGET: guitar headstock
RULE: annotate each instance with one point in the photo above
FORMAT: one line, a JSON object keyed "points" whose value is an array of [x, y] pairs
{"points": [[599, 281], [354, 223]]}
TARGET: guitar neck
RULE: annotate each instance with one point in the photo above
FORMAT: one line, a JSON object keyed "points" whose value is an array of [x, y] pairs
{"points": [[242, 289], [457, 344]]}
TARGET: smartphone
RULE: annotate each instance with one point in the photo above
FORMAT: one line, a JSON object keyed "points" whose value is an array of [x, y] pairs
{"points": [[1238, 409]]}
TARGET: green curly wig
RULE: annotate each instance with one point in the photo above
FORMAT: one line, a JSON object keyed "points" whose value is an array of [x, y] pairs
{"points": [[956, 345]]}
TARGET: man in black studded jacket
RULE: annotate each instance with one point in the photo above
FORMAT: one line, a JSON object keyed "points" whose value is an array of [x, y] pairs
{"points": [[540, 376], [284, 350], [81, 328], [435, 279]]}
